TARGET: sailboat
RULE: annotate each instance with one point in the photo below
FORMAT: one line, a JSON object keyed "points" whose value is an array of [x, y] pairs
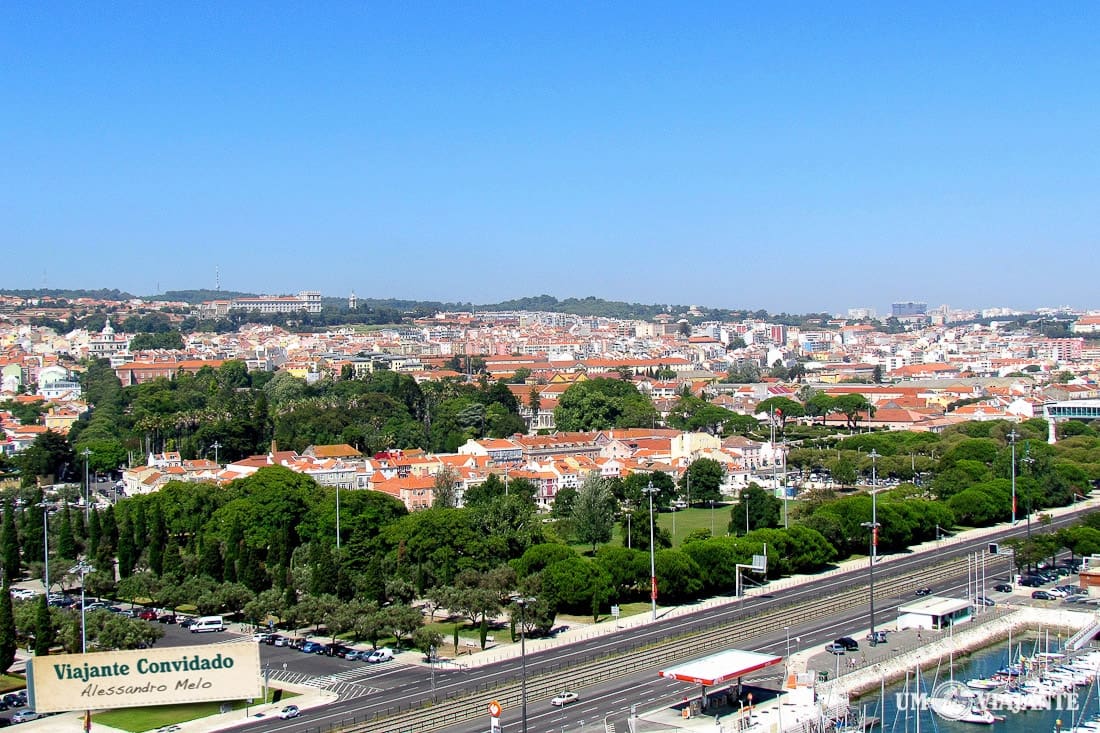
{"points": [[961, 705]]}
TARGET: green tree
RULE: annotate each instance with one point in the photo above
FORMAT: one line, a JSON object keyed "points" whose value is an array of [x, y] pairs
{"points": [[593, 511], [66, 543], [7, 630], [761, 508], [9, 546], [43, 628], [45, 457], [601, 404], [705, 476], [783, 408]]}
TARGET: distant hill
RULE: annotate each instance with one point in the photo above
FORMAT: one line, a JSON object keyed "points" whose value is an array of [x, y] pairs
{"points": [[589, 307]]}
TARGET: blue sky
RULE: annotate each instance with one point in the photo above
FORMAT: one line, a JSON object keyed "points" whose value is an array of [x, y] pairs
{"points": [[789, 156]]}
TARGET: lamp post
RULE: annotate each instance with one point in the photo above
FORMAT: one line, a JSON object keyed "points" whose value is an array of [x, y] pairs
{"points": [[1027, 461], [1012, 436], [629, 513], [215, 445], [87, 495], [650, 491], [873, 526], [46, 544], [82, 569], [337, 516], [523, 602], [874, 510]]}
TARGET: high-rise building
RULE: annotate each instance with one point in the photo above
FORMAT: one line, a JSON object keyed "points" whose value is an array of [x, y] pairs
{"points": [[900, 310]]}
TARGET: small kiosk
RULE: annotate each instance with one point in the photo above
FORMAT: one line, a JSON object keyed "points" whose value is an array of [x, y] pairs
{"points": [[718, 669]]}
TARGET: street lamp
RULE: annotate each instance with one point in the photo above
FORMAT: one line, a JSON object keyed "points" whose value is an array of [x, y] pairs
{"points": [[337, 516], [1012, 436], [629, 511], [650, 491], [873, 526], [874, 509], [523, 602], [82, 569], [1027, 461], [87, 494], [46, 543]]}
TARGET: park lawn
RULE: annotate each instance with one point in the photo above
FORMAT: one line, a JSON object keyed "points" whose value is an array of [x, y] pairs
{"points": [[9, 682], [141, 719], [694, 518]]}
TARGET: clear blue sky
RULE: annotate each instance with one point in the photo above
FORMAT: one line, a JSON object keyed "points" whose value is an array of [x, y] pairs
{"points": [[788, 156]]}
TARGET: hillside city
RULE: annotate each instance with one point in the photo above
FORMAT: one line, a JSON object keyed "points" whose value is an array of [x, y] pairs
{"points": [[927, 371]]}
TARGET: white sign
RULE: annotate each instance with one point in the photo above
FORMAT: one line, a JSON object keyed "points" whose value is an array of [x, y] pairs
{"points": [[128, 679]]}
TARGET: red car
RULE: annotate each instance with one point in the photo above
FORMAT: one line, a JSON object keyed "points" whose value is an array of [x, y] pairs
{"points": [[148, 614]]}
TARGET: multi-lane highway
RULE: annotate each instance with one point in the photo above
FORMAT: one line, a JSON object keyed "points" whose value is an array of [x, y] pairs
{"points": [[617, 670]]}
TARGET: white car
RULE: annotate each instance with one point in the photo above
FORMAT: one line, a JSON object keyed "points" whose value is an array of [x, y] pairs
{"points": [[380, 655], [23, 594], [564, 698], [290, 711]]}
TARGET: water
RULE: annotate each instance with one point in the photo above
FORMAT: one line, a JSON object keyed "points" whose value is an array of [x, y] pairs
{"points": [[895, 719]]}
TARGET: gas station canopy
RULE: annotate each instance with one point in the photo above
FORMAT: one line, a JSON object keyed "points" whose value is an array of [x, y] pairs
{"points": [[721, 667]]}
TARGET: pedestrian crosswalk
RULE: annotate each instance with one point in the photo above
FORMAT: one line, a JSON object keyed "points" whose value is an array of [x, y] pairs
{"points": [[348, 684]]}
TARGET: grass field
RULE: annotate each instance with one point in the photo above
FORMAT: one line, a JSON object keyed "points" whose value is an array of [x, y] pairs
{"points": [[137, 720], [9, 682]]}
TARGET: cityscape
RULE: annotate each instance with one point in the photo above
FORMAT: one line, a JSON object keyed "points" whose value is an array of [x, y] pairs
{"points": [[573, 368]]}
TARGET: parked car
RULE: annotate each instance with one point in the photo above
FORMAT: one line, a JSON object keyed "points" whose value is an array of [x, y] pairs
{"points": [[923, 591], [166, 618], [25, 715], [834, 648], [848, 643], [1042, 595], [280, 641], [1003, 587], [22, 594], [290, 711], [261, 638], [1031, 581], [383, 654], [984, 601], [311, 647], [334, 650], [876, 637], [148, 614], [186, 623], [352, 655], [564, 698], [13, 700]]}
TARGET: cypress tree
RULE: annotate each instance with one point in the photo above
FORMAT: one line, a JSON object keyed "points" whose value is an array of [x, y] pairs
{"points": [[233, 552], [171, 564], [9, 546], [251, 573], [93, 536], [32, 519], [43, 629], [108, 540], [157, 539], [7, 631], [127, 554], [210, 559], [66, 544]]}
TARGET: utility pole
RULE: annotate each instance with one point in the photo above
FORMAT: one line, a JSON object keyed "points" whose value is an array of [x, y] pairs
{"points": [[1012, 436]]}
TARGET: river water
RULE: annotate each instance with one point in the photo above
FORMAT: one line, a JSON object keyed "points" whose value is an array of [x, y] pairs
{"points": [[899, 714]]}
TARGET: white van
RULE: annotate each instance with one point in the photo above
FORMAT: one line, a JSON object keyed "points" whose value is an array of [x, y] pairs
{"points": [[208, 623]]}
